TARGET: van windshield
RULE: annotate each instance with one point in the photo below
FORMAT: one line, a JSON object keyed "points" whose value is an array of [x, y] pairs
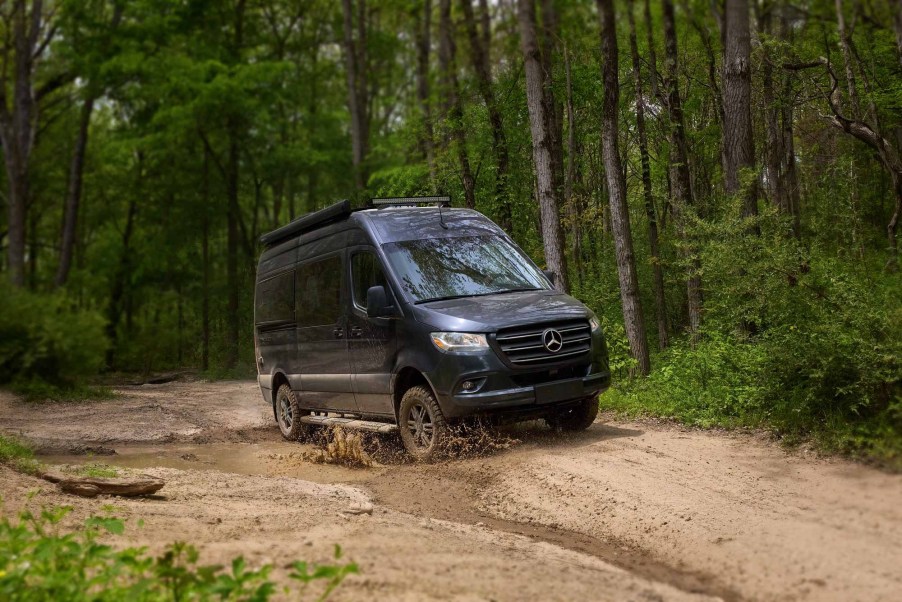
{"points": [[448, 268]]}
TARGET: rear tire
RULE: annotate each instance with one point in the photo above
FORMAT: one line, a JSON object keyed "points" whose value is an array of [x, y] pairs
{"points": [[421, 423], [288, 413], [578, 417]]}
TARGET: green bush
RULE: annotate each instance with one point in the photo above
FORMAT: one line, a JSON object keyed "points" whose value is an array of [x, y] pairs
{"points": [[17, 455], [795, 339], [40, 563], [45, 337]]}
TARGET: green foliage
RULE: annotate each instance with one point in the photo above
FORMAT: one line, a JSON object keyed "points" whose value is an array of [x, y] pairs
{"points": [[36, 390], [39, 561], [795, 340], [17, 455], [44, 337], [93, 469]]}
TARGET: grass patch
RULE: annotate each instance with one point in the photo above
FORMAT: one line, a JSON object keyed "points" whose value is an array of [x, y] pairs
{"points": [[40, 391], [93, 469], [17, 455], [39, 561]]}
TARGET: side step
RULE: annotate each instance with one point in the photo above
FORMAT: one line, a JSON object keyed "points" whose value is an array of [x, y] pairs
{"points": [[351, 423]]}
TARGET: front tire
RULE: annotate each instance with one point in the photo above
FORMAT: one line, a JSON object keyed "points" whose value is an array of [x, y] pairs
{"points": [[421, 423], [288, 413], [578, 417]]}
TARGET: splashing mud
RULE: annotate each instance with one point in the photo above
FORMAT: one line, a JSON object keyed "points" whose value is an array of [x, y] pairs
{"points": [[336, 445]]}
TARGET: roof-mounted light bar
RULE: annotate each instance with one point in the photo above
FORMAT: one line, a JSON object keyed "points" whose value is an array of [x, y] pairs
{"points": [[411, 201]]}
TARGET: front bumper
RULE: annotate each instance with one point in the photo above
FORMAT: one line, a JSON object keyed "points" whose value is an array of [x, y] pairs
{"points": [[501, 389], [521, 399]]}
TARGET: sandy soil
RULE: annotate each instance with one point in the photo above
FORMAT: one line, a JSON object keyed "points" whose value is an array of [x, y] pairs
{"points": [[624, 511]]}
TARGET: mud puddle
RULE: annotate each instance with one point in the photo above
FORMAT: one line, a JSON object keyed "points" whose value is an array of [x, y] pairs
{"points": [[270, 458]]}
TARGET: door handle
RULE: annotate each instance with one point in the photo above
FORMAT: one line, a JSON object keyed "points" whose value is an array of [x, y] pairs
{"points": [[339, 333], [357, 332]]}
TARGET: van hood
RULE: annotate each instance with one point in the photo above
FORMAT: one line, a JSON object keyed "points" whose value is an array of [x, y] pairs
{"points": [[492, 312]]}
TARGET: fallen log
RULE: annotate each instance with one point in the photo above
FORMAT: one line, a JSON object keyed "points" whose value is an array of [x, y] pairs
{"points": [[94, 486]]}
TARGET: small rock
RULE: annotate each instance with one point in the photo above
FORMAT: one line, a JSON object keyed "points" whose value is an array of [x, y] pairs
{"points": [[362, 508]]}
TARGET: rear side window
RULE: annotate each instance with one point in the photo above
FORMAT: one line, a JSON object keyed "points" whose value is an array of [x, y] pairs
{"points": [[319, 292], [365, 272], [275, 299]]}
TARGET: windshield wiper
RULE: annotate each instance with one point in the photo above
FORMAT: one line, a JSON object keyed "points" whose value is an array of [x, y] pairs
{"points": [[449, 297], [517, 290]]}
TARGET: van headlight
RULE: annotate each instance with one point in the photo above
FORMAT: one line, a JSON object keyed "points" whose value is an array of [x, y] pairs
{"points": [[459, 342], [594, 323]]}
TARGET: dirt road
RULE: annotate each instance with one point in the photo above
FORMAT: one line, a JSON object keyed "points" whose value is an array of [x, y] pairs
{"points": [[624, 511]]}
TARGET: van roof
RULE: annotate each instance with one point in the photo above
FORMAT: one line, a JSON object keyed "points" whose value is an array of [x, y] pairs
{"points": [[391, 223], [416, 223]]}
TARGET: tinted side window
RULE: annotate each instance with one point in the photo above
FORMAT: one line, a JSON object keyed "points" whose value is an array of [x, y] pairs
{"points": [[319, 292], [365, 272], [275, 299]]}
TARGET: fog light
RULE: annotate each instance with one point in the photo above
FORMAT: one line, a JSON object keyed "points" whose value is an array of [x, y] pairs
{"points": [[468, 385]]}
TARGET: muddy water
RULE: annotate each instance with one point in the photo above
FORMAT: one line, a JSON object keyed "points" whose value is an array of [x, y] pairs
{"points": [[268, 458]]}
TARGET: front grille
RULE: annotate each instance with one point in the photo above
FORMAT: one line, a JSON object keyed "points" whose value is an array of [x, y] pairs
{"points": [[523, 345]]}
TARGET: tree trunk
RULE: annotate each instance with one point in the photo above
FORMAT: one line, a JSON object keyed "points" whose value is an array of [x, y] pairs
{"points": [[680, 178], [454, 112], [424, 42], [542, 147], [896, 6], [479, 56], [205, 281], [652, 54], [620, 224], [571, 200], [73, 196], [233, 284], [17, 126], [657, 270], [779, 153], [118, 292], [356, 67], [738, 143], [553, 112]]}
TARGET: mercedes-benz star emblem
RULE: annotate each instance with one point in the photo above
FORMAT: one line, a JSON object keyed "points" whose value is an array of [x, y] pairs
{"points": [[552, 340]]}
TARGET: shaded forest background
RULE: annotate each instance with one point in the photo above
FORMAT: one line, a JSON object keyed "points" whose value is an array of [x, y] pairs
{"points": [[720, 181]]}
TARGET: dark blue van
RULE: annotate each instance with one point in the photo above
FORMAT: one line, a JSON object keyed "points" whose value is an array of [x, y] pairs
{"points": [[411, 317]]}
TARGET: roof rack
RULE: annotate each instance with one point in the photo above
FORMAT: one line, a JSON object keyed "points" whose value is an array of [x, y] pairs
{"points": [[309, 221], [411, 201]]}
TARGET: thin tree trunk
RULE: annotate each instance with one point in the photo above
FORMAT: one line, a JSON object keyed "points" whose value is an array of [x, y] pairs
{"points": [[680, 178], [571, 200], [620, 224], [424, 43], [118, 291], [652, 54], [896, 7], [657, 270], [17, 127], [447, 54], [73, 196], [205, 283], [355, 72], [738, 143], [233, 209], [552, 239], [855, 110], [553, 111], [479, 56]]}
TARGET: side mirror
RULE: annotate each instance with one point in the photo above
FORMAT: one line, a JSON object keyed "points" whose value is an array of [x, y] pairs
{"points": [[377, 305], [551, 276]]}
